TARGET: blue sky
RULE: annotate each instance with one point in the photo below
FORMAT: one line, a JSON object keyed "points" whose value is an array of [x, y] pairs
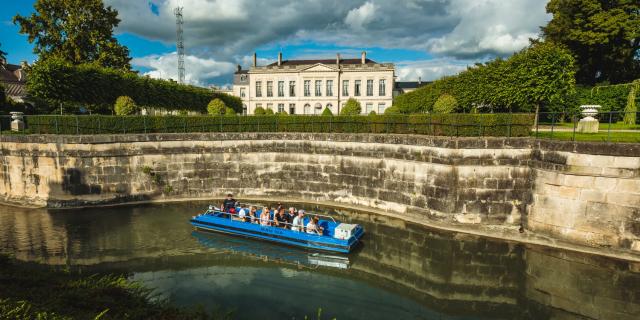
{"points": [[424, 38]]}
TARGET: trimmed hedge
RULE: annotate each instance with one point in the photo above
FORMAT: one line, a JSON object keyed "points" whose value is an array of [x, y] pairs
{"points": [[469, 125]]}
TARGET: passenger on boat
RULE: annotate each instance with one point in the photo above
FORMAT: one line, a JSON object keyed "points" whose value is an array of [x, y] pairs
{"points": [[228, 205], [280, 219], [265, 216], [298, 221], [290, 216], [242, 214], [312, 226], [252, 215]]}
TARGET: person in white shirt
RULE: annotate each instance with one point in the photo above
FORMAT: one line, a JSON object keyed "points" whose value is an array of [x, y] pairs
{"points": [[265, 217], [298, 221], [242, 214], [312, 226]]}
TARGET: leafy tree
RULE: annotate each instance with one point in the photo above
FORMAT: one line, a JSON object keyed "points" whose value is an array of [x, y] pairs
{"points": [[268, 111], [125, 106], [77, 31], [445, 104], [216, 107], [372, 113], [351, 107], [327, 112], [392, 110], [259, 111], [229, 111], [604, 36]]}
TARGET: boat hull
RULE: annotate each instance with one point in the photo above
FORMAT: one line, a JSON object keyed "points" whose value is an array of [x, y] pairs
{"points": [[277, 235]]}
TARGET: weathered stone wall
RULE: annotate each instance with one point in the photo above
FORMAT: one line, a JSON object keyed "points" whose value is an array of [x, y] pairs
{"points": [[582, 192]]}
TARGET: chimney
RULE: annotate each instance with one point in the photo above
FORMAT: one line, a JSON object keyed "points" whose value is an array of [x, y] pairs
{"points": [[337, 59], [363, 58], [255, 59], [279, 58]]}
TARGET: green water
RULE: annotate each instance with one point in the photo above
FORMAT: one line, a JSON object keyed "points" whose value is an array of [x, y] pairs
{"points": [[402, 270]]}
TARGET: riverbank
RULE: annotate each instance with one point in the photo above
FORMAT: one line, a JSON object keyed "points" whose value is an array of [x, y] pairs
{"points": [[34, 291]]}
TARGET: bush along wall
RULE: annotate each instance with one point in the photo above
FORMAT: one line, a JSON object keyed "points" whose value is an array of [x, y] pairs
{"points": [[508, 125]]}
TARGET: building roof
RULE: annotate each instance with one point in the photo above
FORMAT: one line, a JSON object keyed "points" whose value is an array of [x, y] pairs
{"points": [[13, 79], [241, 72], [411, 84], [323, 61]]}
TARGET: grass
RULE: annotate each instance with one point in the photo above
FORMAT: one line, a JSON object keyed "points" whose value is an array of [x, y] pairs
{"points": [[603, 126], [630, 137], [32, 291]]}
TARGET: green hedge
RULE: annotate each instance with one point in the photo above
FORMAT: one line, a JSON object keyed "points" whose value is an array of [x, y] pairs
{"points": [[515, 125]]}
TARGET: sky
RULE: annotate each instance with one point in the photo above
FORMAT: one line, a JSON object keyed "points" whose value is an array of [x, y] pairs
{"points": [[425, 39]]}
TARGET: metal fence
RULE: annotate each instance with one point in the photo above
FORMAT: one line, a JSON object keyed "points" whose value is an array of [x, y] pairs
{"points": [[567, 126]]}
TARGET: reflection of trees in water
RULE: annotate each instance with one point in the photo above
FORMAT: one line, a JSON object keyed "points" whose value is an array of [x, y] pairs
{"points": [[453, 273]]}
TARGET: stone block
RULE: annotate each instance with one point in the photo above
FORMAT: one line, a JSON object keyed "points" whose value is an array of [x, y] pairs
{"points": [[592, 195], [624, 199], [588, 125], [627, 162], [604, 183], [577, 181]]}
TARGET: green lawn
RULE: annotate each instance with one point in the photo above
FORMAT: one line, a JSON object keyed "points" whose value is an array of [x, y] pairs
{"points": [[603, 126], [600, 136]]}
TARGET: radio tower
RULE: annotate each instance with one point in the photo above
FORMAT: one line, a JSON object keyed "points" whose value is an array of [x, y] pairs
{"points": [[179, 43]]}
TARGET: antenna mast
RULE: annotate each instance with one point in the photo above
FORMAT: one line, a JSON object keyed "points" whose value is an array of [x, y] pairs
{"points": [[179, 43]]}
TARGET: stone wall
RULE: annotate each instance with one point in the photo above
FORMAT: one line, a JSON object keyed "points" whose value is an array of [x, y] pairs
{"points": [[585, 193]]}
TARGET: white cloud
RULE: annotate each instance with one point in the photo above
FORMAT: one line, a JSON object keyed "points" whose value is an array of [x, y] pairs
{"points": [[197, 72], [358, 18], [429, 70]]}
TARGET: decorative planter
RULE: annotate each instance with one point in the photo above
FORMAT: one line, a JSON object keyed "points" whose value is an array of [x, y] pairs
{"points": [[589, 124]]}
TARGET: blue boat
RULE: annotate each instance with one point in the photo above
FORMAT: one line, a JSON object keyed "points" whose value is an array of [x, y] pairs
{"points": [[335, 237]]}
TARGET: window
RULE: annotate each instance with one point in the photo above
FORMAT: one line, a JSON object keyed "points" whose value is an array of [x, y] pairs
{"points": [[280, 88], [281, 107], [369, 88], [369, 108], [307, 88], [329, 88], [330, 106], [382, 86], [258, 105], [292, 108], [307, 109], [258, 88], [356, 89], [269, 88], [381, 108], [243, 77], [292, 88], [242, 94], [318, 108], [244, 109], [270, 106], [318, 88], [345, 88]]}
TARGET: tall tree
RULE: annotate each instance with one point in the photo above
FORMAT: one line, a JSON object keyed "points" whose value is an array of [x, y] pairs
{"points": [[604, 36], [77, 31]]}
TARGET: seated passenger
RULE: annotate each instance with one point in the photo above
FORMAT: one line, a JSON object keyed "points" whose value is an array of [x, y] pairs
{"points": [[298, 222], [228, 204], [290, 216], [312, 226], [252, 215], [242, 214], [280, 220], [265, 217]]}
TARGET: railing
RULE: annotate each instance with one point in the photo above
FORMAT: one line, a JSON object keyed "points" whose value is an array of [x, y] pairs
{"points": [[458, 125], [566, 126], [272, 222]]}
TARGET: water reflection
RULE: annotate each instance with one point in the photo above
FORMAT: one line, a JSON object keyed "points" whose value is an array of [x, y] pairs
{"points": [[403, 271]]}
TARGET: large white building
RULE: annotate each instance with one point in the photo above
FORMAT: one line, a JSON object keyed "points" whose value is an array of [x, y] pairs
{"points": [[309, 86]]}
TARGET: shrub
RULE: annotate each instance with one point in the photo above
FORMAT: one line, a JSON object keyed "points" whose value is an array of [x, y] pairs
{"points": [[125, 106], [445, 104], [268, 111], [229, 112], [351, 108], [392, 110], [372, 113], [327, 112], [259, 111], [216, 107]]}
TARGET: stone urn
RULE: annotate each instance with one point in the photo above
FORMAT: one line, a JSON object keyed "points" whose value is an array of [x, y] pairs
{"points": [[589, 124], [17, 124]]}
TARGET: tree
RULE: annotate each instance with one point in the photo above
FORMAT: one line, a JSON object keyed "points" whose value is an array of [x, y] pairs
{"points": [[259, 111], [229, 112], [216, 107], [392, 110], [77, 31], [445, 104], [352, 107], [268, 111], [631, 109], [603, 35], [125, 106], [327, 112]]}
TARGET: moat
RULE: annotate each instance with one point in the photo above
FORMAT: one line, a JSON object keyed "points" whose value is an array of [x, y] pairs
{"points": [[401, 271]]}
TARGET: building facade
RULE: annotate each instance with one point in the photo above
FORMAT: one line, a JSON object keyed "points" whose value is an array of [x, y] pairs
{"points": [[309, 86]]}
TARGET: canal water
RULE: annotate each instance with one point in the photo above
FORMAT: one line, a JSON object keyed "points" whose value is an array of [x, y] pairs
{"points": [[401, 271]]}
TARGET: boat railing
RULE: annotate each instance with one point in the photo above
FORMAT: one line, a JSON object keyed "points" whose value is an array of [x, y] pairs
{"points": [[259, 221], [306, 213]]}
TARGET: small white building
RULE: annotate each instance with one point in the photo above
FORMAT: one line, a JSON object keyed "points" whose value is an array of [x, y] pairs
{"points": [[309, 86]]}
